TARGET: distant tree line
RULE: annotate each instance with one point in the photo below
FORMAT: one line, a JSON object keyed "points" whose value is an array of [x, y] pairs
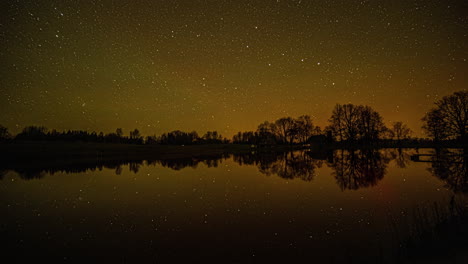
{"points": [[349, 123], [286, 130], [40, 133], [178, 137]]}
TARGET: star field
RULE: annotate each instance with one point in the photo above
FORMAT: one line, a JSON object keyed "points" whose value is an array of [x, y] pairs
{"points": [[224, 65]]}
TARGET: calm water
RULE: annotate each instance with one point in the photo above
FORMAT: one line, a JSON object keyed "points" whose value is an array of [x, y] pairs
{"points": [[361, 206]]}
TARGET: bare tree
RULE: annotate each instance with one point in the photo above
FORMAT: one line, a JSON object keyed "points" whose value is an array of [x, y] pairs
{"points": [[266, 134], [355, 122], [435, 125], [305, 128], [344, 121], [454, 110], [370, 125], [284, 128], [400, 131]]}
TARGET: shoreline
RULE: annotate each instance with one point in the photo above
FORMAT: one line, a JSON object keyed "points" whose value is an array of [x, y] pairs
{"points": [[47, 149]]}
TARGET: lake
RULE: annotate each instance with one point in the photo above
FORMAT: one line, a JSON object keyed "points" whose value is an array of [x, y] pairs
{"points": [[378, 206]]}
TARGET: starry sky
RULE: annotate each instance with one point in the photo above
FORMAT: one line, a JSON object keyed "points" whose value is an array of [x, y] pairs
{"points": [[224, 65]]}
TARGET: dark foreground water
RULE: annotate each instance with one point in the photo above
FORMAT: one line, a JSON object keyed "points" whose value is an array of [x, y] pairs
{"points": [[361, 206]]}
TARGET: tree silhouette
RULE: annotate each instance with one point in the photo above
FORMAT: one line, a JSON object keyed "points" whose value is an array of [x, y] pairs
{"points": [[284, 129], [304, 128], [212, 137], [354, 169], [265, 134], [151, 140], [248, 137], [178, 137], [451, 166], [435, 125], [455, 110], [352, 123], [4, 133], [400, 131], [370, 124], [344, 121], [119, 132], [451, 112], [135, 134], [32, 133], [292, 165]]}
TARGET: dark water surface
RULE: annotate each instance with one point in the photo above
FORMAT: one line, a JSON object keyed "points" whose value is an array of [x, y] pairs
{"points": [[344, 206]]}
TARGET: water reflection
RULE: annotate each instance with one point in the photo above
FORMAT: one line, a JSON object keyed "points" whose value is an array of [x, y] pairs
{"points": [[355, 169], [293, 165], [451, 166], [352, 169], [287, 165], [180, 163], [401, 157], [307, 205]]}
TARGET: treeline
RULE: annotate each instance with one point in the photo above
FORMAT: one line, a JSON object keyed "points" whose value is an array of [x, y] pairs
{"points": [[286, 130], [348, 124], [360, 124], [178, 137], [40, 133]]}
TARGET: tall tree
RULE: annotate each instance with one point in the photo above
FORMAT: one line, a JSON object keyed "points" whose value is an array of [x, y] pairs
{"points": [[454, 109], [435, 124], [370, 124], [265, 133], [305, 128], [285, 129], [344, 121], [355, 122]]}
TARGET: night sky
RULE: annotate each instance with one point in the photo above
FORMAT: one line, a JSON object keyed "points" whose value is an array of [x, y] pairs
{"points": [[224, 65]]}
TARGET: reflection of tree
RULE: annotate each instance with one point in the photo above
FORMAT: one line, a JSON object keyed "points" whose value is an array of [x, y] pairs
{"points": [[354, 169], [27, 174], [451, 166], [261, 160], [134, 166], [180, 163], [118, 170], [176, 164], [449, 118], [212, 163], [40, 168], [402, 158], [287, 165]]}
